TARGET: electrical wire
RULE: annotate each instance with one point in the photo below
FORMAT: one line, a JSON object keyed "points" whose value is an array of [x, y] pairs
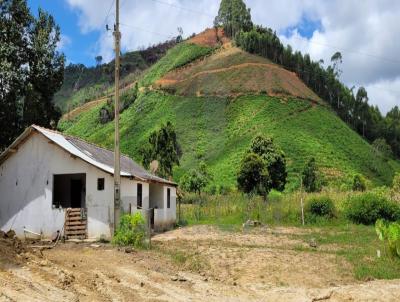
{"points": [[311, 42], [108, 13], [184, 8], [145, 30]]}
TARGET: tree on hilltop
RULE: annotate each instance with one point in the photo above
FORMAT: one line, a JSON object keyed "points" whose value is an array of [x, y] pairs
{"points": [[233, 16]]}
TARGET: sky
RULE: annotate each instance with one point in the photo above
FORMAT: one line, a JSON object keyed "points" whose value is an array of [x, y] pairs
{"points": [[367, 33]]}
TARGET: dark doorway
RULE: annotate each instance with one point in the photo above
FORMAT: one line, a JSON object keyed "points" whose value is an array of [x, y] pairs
{"points": [[152, 217], [76, 193], [69, 190]]}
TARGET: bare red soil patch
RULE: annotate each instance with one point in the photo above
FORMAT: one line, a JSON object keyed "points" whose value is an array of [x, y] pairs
{"points": [[231, 72], [210, 37]]}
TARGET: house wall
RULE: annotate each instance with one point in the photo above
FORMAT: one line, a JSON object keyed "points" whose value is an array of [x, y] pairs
{"points": [[26, 190], [164, 218]]}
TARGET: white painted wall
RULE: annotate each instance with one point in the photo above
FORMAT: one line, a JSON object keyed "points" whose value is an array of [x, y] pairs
{"points": [[164, 218], [26, 185]]}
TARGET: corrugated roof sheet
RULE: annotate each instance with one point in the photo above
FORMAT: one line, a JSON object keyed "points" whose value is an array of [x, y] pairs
{"points": [[92, 154]]}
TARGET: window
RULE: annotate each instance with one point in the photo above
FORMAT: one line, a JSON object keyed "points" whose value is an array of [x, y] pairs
{"points": [[139, 196], [100, 184], [168, 198]]}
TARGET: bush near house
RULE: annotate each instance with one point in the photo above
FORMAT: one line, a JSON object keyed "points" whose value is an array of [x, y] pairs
{"points": [[359, 183], [367, 208], [131, 231], [321, 206]]}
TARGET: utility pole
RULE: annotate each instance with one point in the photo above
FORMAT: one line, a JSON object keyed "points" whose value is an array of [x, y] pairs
{"points": [[117, 159]]}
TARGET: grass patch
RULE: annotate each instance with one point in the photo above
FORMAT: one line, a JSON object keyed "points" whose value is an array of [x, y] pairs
{"points": [[355, 244], [358, 245], [178, 56], [192, 261]]}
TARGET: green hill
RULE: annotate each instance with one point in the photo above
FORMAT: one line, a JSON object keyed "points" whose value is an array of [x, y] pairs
{"points": [[217, 117], [83, 84]]}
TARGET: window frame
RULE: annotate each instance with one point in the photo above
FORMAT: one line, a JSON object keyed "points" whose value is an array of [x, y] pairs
{"points": [[139, 201], [101, 184], [168, 198]]}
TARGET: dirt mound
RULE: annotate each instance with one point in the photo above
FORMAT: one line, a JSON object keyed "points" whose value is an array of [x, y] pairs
{"points": [[232, 72], [11, 247], [210, 37]]}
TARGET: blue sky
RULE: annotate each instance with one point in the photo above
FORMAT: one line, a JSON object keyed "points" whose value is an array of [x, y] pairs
{"points": [[81, 46], [365, 35], [78, 47]]}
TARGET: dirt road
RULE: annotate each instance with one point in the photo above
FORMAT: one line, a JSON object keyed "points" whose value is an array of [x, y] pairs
{"points": [[191, 264]]}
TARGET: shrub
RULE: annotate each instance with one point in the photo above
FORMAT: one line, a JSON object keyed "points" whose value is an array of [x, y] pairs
{"points": [[321, 206], [368, 207], [310, 177], [395, 191], [196, 179], [253, 176], [359, 183], [131, 231], [390, 233]]}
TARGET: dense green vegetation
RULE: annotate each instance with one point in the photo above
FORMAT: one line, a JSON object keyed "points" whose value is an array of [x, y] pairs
{"points": [[218, 131], [31, 69], [262, 168], [353, 108], [368, 208], [162, 147], [83, 84]]}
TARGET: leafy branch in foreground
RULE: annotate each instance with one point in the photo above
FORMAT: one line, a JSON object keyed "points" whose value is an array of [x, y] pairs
{"points": [[389, 233]]}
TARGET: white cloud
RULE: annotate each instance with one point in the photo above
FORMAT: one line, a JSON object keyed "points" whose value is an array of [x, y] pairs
{"points": [[385, 93], [366, 33], [64, 42]]}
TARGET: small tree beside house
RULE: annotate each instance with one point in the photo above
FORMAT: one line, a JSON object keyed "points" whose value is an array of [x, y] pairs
{"points": [[163, 147], [196, 180]]}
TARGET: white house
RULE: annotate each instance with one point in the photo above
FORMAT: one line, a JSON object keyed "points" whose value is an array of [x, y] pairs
{"points": [[52, 182]]}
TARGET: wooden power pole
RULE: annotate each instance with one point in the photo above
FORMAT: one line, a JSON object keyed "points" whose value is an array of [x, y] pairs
{"points": [[117, 159]]}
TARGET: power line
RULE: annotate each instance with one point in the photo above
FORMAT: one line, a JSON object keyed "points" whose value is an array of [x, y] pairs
{"points": [[149, 31], [184, 8], [348, 50], [308, 72], [108, 13], [321, 44]]}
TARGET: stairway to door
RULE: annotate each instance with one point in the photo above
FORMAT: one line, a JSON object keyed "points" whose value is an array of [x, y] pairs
{"points": [[75, 223]]}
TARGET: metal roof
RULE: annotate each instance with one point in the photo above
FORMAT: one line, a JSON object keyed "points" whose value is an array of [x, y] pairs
{"points": [[90, 153]]}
